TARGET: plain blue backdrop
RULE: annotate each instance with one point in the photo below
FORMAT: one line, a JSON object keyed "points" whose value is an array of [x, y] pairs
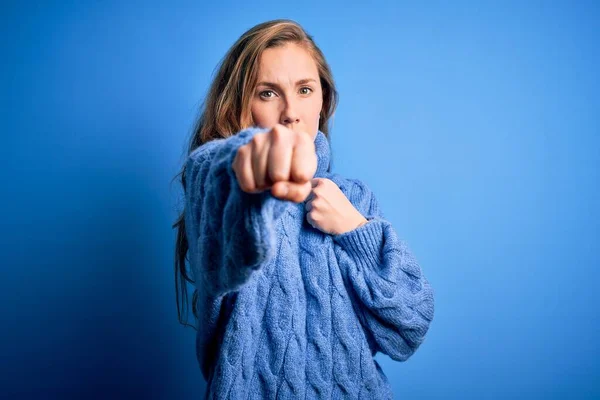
{"points": [[478, 128]]}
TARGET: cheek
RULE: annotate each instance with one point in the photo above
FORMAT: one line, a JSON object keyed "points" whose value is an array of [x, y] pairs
{"points": [[316, 112], [255, 111], [317, 107], [261, 113]]}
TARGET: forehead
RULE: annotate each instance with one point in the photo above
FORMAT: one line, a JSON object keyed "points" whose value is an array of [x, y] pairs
{"points": [[288, 62]]}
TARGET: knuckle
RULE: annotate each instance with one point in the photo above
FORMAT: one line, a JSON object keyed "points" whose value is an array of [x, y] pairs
{"points": [[245, 186], [276, 133], [278, 175], [242, 151], [278, 130], [257, 139], [303, 174], [300, 138], [306, 139]]}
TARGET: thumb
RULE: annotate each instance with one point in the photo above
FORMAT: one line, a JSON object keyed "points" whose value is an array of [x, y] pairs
{"points": [[291, 191]]}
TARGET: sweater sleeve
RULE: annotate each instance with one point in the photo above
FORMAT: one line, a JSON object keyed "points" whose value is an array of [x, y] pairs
{"points": [[392, 296], [230, 233]]}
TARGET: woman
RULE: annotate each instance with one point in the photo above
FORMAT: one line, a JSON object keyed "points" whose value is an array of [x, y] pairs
{"points": [[300, 280]]}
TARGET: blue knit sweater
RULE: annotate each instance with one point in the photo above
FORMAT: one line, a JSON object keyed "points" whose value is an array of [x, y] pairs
{"points": [[287, 311]]}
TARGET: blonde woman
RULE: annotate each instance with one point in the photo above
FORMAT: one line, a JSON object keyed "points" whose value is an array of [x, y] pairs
{"points": [[299, 278]]}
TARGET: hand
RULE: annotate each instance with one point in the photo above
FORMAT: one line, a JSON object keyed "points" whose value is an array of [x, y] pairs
{"points": [[280, 159], [329, 210]]}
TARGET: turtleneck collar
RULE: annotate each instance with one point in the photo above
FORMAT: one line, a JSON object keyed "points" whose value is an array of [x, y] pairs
{"points": [[323, 153]]}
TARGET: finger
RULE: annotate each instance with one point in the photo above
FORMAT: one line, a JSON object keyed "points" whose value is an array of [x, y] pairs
{"points": [[242, 166], [310, 220], [310, 196], [260, 153], [280, 155], [304, 159], [292, 191], [308, 205]]}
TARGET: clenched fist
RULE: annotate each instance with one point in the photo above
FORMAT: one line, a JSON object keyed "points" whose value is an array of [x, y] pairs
{"points": [[329, 210], [281, 160]]}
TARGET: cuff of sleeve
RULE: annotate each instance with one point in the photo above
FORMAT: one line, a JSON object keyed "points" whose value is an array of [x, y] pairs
{"points": [[364, 243]]}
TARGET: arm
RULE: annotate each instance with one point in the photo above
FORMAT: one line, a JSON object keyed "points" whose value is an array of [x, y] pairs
{"points": [[230, 232], [393, 299]]}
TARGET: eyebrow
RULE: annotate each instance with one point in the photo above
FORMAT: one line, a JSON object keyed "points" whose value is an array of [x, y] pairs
{"points": [[300, 82]]}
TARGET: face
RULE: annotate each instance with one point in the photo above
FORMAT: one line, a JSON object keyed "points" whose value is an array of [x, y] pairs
{"points": [[289, 90]]}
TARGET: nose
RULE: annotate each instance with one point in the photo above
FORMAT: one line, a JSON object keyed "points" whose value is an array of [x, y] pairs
{"points": [[289, 116]]}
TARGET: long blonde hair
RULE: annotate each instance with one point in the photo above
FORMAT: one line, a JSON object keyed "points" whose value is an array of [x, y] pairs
{"points": [[226, 110]]}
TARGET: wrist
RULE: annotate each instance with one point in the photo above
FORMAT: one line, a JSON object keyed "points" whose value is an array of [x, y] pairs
{"points": [[355, 225], [361, 222]]}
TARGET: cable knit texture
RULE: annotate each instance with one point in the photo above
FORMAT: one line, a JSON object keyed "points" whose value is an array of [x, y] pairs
{"points": [[287, 311]]}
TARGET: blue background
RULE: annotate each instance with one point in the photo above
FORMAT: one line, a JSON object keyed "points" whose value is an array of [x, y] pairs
{"points": [[475, 124]]}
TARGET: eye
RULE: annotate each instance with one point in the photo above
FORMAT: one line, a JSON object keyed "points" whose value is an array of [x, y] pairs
{"points": [[261, 94], [264, 95]]}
